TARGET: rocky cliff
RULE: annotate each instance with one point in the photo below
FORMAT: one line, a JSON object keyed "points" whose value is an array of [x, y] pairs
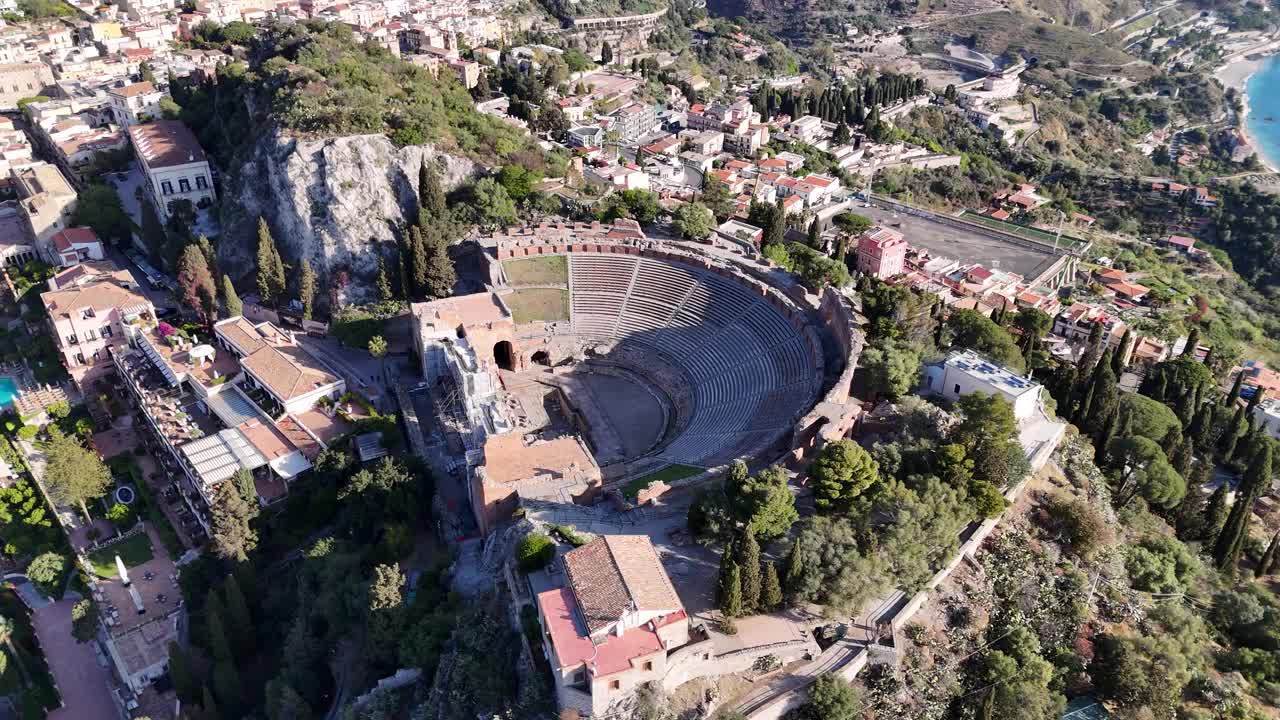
{"points": [[337, 202]]}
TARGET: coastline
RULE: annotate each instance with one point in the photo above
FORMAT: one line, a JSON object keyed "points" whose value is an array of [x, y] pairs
{"points": [[1236, 74]]}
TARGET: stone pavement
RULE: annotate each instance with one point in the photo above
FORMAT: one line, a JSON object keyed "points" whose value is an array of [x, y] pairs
{"points": [[81, 681]]}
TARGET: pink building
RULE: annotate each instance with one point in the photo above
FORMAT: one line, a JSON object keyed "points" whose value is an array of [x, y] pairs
{"points": [[89, 305], [77, 245], [881, 252]]}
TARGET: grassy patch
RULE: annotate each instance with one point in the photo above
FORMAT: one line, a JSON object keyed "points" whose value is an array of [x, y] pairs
{"points": [[545, 270], [538, 305], [998, 32], [668, 474], [134, 551], [1030, 233]]}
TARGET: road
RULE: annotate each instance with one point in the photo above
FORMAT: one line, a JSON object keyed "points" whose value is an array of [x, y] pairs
{"points": [[970, 246], [81, 681]]}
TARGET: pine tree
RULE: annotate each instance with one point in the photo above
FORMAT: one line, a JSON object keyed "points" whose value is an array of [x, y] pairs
{"points": [[1215, 514], [748, 561], [230, 300], [1230, 543], [385, 294], [271, 279], [770, 589], [731, 590]]}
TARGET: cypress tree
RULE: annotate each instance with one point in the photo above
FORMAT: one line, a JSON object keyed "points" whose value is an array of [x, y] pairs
{"points": [[271, 280], [1231, 435], [153, 234], [1268, 560], [1234, 395], [419, 260], [748, 562], [771, 589], [215, 624], [431, 192], [1193, 341], [1201, 427], [182, 674], [440, 275], [730, 589], [1254, 402], [1103, 441], [1215, 515], [795, 569], [1189, 516], [1105, 399], [1117, 360], [815, 233], [1182, 456], [307, 289], [207, 704], [238, 616], [230, 300], [1226, 551], [385, 293]]}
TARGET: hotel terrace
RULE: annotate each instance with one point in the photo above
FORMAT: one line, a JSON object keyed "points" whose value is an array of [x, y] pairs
{"points": [[247, 398]]}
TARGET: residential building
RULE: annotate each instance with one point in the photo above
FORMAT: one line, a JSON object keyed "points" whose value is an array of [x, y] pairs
{"points": [[292, 378], [1181, 243], [76, 245], [881, 253], [135, 103], [611, 627], [1267, 413], [173, 162], [22, 80], [967, 372], [635, 120], [807, 129], [47, 201], [16, 247], [88, 307]]}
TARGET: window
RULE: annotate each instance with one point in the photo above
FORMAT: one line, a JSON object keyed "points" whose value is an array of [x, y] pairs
{"points": [[90, 335], [72, 340], [648, 665], [86, 313], [957, 390], [79, 358], [580, 676], [615, 684], [184, 185], [106, 331], [201, 183], [166, 187]]}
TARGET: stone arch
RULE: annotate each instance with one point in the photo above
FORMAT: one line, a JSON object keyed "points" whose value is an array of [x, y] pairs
{"points": [[504, 355]]}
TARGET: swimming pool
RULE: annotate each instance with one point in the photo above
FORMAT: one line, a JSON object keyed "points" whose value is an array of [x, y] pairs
{"points": [[8, 390]]}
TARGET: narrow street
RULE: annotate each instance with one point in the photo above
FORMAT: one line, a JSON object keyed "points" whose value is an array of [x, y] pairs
{"points": [[81, 680]]}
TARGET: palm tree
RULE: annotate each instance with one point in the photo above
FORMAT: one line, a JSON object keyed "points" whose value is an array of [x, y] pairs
{"points": [[7, 627]]}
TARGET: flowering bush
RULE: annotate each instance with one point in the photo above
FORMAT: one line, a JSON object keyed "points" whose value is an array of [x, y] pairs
{"points": [[165, 329]]}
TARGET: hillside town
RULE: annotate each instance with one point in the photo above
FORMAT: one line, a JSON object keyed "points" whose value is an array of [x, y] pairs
{"points": [[631, 359]]}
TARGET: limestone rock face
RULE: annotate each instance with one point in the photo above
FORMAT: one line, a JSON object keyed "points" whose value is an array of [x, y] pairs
{"points": [[338, 202]]}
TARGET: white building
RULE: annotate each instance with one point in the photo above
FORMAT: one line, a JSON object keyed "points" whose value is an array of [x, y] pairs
{"points": [[967, 372], [173, 162], [1268, 413], [135, 103]]}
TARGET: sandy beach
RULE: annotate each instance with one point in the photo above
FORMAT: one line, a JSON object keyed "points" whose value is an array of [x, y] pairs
{"points": [[1236, 74]]}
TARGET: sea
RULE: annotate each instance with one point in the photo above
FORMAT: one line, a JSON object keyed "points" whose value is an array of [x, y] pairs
{"points": [[1264, 109]]}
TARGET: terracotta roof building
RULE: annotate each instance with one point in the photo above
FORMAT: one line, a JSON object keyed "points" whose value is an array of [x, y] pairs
{"points": [[611, 628]]}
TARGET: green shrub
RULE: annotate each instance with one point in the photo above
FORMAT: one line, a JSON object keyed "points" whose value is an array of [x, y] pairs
{"points": [[535, 552], [46, 571], [121, 515], [28, 432]]}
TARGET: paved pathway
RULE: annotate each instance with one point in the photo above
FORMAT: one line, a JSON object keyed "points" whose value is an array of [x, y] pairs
{"points": [[81, 681]]}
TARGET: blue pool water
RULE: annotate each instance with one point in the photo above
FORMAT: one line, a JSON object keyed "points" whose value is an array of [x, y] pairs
{"points": [[1264, 109], [8, 389]]}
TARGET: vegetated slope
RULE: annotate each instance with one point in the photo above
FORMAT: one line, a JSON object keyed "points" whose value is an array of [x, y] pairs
{"points": [[998, 33], [1089, 15], [315, 79]]}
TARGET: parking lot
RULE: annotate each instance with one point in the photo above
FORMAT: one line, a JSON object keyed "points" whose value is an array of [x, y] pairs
{"points": [[966, 245]]}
